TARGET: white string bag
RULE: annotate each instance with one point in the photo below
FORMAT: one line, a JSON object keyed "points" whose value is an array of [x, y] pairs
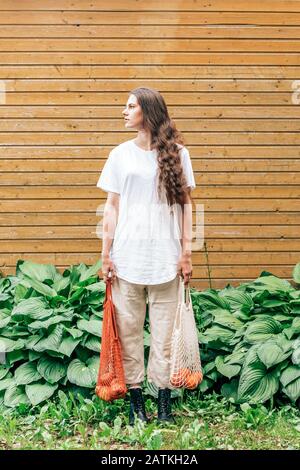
{"points": [[186, 370]]}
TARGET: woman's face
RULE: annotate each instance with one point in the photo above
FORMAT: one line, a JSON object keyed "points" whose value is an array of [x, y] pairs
{"points": [[133, 115]]}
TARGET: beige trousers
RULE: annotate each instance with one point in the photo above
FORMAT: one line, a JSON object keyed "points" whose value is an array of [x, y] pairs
{"points": [[130, 306]]}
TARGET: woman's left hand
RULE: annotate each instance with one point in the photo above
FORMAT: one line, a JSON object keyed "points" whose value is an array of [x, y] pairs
{"points": [[185, 268]]}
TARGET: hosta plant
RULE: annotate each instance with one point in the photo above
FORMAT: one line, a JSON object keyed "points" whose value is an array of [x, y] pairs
{"points": [[250, 339], [50, 331], [51, 323]]}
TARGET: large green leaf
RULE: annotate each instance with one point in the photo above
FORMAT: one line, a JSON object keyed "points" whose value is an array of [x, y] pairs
{"points": [[271, 352], [38, 271], [262, 329], [20, 293], [26, 373], [227, 319], [292, 390], [84, 375], [77, 294], [52, 341], [39, 392], [37, 325], [7, 345], [272, 284], [217, 332], [51, 369], [38, 286], [92, 342], [15, 395], [90, 326], [238, 354], [68, 345], [290, 374], [227, 369], [74, 332], [210, 300], [33, 308], [6, 382], [91, 271], [97, 287], [239, 301], [257, 384]]}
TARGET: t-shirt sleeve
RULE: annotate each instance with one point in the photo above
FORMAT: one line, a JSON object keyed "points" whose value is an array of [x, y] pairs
{"points": [[109, 177], [187, 168]]}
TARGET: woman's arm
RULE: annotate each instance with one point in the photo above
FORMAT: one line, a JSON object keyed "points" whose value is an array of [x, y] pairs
{"points": [[185, 262], [187, 226], [110, 219]]}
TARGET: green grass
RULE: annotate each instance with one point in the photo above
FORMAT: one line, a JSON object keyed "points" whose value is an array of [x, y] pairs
{"points": [[211, 422]]}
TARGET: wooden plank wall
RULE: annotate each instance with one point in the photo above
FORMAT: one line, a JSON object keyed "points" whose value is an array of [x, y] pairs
{"points": [[226, 69]]}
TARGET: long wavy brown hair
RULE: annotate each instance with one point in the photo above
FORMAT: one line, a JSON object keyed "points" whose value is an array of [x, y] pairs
{"points": [[164, 138]]}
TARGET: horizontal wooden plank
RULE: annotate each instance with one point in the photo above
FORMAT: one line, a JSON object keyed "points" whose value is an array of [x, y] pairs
{"points": [[82, 183], [211, 219], [203, 191], [160, 71], [188, 98], [99, 152], [91, 232], [151, 58], [261, 246], [215, 190], [152, 5], [127, 44], [198, 259], [32, 171], [110, 113], [138, 17], [100, 138], [150, 31], [119, 85], [256, 204], [186, 125]]}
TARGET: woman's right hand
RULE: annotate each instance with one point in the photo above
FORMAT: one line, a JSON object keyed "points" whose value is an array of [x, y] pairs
{"points": [[108, 267]]}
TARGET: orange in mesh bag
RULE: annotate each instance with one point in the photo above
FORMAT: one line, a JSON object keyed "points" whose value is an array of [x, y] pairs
{"points": [[186, 370], [111, 379]]}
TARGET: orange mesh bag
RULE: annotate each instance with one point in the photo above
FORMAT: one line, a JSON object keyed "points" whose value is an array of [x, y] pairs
{"points": [[111, 379]]}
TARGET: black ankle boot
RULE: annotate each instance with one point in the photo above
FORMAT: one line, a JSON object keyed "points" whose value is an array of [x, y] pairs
{"points": [[164, 406], [137, 406]]}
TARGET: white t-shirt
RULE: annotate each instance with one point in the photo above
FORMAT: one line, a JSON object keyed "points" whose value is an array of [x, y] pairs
{"points": [[146, 247]]}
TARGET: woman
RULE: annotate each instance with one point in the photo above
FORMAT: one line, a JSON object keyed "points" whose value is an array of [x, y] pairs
{"points": [[147, 231]]}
